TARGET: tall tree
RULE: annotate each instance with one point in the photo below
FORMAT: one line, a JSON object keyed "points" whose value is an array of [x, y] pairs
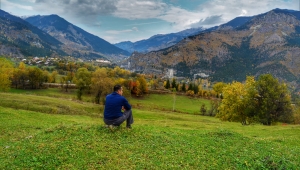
{"points": [[266, 100], [35, 77], [83, 81], [183, 87], [274, 102], [6, 73], [173, 83], [52, 78], [101, 83], [167, 84], [190, 87], [218, 87], [142, 85], [237, 102], [195, 88]]}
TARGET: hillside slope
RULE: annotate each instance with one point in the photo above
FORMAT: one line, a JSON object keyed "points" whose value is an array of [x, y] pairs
{"points": [[267, 43], [76, 41], [67, 138], [19, 38]]}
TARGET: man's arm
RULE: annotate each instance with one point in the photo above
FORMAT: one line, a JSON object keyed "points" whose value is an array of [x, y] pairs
{"points": [[126, 105]]}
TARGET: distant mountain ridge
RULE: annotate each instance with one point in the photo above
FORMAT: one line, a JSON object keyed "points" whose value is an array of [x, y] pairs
{"points": [[157, 42], [266, 43], [19, 38], [76, 41]]}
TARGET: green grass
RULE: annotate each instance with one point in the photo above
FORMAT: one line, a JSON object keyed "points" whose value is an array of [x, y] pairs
{"points": [[34, 139], [50, 105], [165, 102], [51, 92]]}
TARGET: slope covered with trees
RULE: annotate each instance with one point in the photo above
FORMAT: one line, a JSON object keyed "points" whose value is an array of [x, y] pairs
{"points": [[267, 43]]}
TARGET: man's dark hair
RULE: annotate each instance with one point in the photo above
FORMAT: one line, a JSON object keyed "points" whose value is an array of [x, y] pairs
{"points": [[117, 87]]}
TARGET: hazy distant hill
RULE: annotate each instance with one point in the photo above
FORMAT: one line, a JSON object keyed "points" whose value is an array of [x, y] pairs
{"points": [[19, 38], [157, 42], [266, 43], [161, 41], [76, 41]]}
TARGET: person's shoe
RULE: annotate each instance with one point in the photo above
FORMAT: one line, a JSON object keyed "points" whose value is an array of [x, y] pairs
{"points": [[111, 127], [128, 127]]}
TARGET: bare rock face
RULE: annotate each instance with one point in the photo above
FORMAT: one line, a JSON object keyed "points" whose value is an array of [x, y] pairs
{"points": [[267, 43]]}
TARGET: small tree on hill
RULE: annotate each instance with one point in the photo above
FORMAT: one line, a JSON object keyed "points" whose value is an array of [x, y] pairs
{"points": [[203, 109]]}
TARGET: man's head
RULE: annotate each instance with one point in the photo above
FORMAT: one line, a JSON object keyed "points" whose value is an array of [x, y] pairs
{"points": [[118, 89]]}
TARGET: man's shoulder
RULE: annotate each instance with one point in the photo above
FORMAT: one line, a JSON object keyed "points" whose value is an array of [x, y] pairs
{"points": [[110, 95]]}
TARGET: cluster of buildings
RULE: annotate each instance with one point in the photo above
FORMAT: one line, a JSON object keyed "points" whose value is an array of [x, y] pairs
{"points": [[40, 61]]}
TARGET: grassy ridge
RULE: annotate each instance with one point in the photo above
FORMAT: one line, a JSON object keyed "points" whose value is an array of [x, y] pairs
{"points": [[51, 105], [158, 140]]}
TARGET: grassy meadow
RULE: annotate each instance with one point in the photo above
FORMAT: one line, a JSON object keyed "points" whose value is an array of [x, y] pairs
{"points": [[48, 129]]}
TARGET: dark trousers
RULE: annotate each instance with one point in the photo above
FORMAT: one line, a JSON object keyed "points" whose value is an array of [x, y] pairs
{"points": [[127, 115]]}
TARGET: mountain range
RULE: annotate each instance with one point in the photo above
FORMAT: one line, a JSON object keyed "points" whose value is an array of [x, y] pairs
{"points": [[19, 38], [161, 41], [266, 43], [76, 41], [52, 36], [157, 42]]}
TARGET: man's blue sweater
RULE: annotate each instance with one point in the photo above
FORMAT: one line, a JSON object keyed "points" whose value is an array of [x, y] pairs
{"points": [[113, 106]]}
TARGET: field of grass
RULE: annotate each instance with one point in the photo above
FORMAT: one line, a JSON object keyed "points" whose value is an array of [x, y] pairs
{"points": [[75, 138], [165, 102], [53, 92]]}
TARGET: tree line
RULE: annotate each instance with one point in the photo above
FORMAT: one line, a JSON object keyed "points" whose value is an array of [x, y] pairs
{"points": [[265, 100], [97, 81]]}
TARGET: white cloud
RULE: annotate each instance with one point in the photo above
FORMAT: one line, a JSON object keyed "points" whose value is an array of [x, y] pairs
{"points": [[10, 6], [139, 9], [135, 29], [216, 12], [116, 32], [145, 23]]}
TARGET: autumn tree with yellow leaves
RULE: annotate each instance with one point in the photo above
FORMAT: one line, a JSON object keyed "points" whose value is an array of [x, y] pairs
{"points": [[6, 73], [265, 100]]}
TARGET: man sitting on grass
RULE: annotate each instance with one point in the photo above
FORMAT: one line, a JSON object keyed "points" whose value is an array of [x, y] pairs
{"points": [[114, 105]]}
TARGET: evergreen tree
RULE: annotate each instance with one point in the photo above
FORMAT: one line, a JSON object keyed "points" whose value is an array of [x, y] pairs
{"points": [[167, 84], [183, 87], [195, 88], [190, 87], [173, 83]]}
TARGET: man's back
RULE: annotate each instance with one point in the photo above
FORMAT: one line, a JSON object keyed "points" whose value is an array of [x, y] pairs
{"points": [[113, 106]]}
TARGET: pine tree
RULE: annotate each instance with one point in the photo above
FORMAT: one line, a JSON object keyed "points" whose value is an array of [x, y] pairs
{"points": [[173, 83], [190, 87], [195, 88], [167, 84], [183, 87]]}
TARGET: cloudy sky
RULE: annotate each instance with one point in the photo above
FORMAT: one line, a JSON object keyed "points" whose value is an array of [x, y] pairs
{"points": [[133, 20]]}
